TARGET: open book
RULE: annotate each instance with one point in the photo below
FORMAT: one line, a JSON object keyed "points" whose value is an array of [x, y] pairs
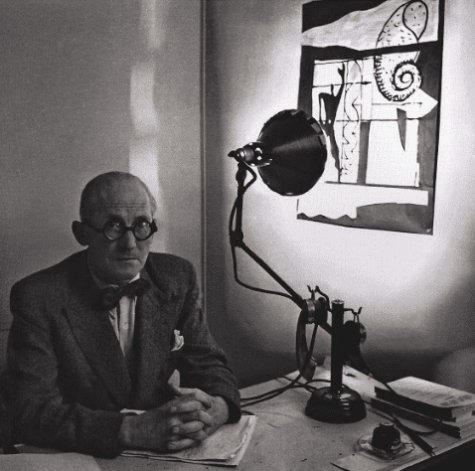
{"points": [[225, 447]]}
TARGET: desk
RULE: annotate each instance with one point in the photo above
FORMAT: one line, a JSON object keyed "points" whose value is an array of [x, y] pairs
{"points": [[287, 440]]}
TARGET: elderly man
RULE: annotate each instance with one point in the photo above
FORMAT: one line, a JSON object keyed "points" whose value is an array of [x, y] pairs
{"points": [[97, 337]]}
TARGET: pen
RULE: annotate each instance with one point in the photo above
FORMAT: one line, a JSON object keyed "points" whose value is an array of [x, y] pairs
{"points": [[429, 449]]}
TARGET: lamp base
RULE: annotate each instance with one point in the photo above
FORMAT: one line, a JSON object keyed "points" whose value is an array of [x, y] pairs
{"points": [[338, 408]]}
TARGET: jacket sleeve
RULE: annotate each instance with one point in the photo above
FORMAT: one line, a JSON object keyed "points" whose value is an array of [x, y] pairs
{"points": [[38, 413], [203, 363]]}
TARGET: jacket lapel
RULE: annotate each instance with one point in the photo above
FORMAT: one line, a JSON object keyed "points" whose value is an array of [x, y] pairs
{"points": [[153, 314], [95, 335]]}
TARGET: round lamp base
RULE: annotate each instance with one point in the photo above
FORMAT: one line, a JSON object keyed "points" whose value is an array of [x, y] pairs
{"points": [[343, 407]]}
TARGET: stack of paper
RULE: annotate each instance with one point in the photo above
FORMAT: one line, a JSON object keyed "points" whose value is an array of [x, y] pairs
{"points": [[446, 409], [225, 447]]}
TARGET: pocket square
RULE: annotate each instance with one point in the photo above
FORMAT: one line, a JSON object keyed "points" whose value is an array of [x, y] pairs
{"points": [[178, 341]]}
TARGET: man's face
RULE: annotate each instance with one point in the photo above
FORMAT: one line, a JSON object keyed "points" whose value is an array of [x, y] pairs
{"points": [[118, 261]]}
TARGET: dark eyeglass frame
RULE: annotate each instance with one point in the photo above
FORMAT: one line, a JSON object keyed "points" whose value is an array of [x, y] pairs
{"points": [[152, 224]]}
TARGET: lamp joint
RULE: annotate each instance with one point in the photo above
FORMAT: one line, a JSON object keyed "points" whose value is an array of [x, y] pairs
{"points": [[236, 238]]}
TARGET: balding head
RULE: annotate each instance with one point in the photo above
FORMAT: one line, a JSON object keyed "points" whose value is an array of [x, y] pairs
{"points": [[101, 187]]}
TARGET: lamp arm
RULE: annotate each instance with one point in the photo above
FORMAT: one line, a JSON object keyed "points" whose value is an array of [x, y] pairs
{"points": [[236, 236], [311, 310]]}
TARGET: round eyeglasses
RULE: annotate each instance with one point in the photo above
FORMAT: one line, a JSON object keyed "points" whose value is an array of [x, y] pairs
{"points": [[114, 230]]}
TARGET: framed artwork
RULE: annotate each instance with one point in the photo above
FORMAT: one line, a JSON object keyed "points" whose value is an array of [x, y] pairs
{"points": [[371, 76]]}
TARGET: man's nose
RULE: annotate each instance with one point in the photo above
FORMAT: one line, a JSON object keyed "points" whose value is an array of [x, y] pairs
{"points": [[128, 240]]}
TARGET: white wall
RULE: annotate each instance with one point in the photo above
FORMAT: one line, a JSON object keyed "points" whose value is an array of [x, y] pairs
{"points": [[417, 291]]}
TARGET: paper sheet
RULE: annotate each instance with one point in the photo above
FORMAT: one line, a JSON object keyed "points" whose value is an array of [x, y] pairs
{"points": [[225, 447], [48, 462], [360, 462]]}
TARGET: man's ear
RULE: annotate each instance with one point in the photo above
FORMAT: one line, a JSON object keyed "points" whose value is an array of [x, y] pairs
{"points": [[80, 233]]}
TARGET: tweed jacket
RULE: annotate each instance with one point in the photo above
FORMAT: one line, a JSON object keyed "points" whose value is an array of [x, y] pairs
{"points": [[67, 378]]}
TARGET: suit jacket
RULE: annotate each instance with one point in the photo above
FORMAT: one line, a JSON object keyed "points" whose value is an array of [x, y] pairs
{"points": [[67, 378]]}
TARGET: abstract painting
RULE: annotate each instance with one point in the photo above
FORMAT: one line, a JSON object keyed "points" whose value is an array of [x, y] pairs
{"points": [[371, 76]]}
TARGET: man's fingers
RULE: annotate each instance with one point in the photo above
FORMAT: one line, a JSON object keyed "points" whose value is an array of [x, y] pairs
{"points": [[200, 415], [181, 391], [198, 394], [184, 404], [188, 427], [198, 436], [204, 417], [178, 419], [181, 444], [175, 389]]}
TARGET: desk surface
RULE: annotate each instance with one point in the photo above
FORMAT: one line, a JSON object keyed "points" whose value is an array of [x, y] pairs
{"points": [[285, 439]]}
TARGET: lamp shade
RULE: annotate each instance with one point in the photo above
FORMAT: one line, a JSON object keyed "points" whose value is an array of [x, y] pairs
{"points": [[290, 153]]}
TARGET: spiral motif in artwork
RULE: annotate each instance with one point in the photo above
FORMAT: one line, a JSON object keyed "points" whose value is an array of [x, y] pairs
{"points": [[398, 77], [397, 74]]}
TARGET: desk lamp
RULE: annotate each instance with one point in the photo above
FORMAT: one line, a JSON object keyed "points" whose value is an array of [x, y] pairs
{"points": [[290, 156]]}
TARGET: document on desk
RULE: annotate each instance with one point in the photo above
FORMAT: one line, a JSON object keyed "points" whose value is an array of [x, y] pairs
{"points": [[225, 447], [48, 462]]}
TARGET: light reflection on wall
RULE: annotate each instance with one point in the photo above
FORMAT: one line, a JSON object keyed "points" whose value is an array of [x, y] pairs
{"points": [[143, 158], [165, 130]]}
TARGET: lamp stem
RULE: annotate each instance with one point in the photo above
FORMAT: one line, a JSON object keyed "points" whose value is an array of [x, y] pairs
{"points": [[336, 403], [337, 346], [240, 178]]}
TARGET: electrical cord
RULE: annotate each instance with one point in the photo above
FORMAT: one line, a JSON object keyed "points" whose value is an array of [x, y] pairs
{"points": [[247, 401], [393, 418], [294, 383]]}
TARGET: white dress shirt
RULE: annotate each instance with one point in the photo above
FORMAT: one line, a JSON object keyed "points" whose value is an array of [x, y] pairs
{"points": [[122, 319]]}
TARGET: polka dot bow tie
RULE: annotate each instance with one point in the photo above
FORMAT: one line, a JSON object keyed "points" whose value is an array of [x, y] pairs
{"points": [[110, 297]]}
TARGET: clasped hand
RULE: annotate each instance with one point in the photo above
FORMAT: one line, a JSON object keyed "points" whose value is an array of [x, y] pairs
{"points": [[181, 423]]}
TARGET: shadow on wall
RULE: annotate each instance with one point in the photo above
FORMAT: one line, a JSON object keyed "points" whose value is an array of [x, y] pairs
{"points": [[450, 359], [456, 322], [221, 322], [457, 369]]}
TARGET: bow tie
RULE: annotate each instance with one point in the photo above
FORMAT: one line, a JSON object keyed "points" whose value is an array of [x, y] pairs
{"points": [[110, 297]]}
